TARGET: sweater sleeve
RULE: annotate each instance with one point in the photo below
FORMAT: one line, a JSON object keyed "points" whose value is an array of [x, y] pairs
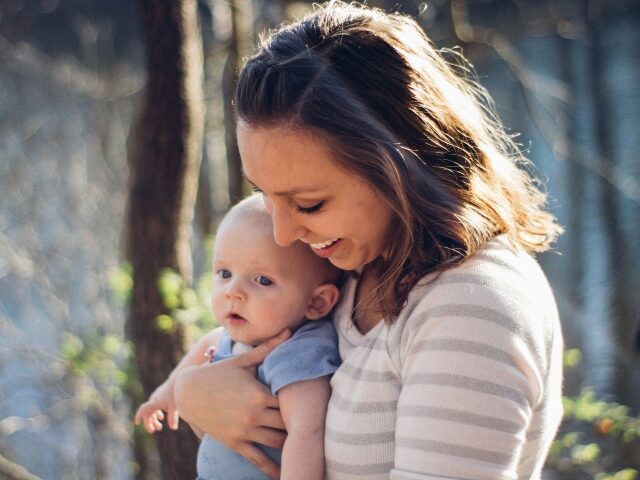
{"points": [[472, 375]]}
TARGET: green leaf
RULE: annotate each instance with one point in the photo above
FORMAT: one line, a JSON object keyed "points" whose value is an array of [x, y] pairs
{"points": [[189, 298], [71, 347], [165, 323], [572, 358], [121, 282], [170, 283], [585, 454]]}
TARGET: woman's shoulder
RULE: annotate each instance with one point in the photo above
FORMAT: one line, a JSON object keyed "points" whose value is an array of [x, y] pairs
{"points": [[497, 289], [497, 273]]}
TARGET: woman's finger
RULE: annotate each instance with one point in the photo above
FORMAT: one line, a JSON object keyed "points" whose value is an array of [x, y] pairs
{"points": [[257, 355], [172, 416], [260, 460], [269, 437], [272, 418]]}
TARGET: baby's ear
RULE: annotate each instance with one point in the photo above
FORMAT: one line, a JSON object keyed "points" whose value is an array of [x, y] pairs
{"points": [[322, 301]]}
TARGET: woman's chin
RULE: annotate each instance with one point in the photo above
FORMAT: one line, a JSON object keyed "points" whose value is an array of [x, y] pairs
{"points": [[345, 263]]}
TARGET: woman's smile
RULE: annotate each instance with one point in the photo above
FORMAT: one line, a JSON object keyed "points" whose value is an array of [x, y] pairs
{"points": [[326, 249], [312, 198], [321, 245]]}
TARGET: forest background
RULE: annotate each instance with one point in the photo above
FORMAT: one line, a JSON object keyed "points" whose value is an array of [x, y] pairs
{"points": [[118, 157]]}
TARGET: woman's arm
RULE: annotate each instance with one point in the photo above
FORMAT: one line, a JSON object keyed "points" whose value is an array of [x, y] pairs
{"points": [[466, 402], [304, 407], [225, 400]]}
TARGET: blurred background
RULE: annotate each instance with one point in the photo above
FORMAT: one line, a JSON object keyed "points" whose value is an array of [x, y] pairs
{"points": [[117, 155]]}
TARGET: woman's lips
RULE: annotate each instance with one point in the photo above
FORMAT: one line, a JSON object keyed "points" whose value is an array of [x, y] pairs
{"points": [[327, 251]]}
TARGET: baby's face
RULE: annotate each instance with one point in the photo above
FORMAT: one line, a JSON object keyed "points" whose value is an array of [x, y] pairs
{"points": [[259, 288]]}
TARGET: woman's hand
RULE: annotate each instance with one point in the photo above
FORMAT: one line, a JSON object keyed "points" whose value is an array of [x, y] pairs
{"points": [[226, 401]]}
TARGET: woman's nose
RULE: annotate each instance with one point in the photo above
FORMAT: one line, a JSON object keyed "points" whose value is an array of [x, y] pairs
{"points": [[285, 229]]}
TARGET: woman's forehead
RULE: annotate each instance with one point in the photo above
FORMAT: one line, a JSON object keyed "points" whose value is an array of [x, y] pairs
{"points": [[287, 162]]}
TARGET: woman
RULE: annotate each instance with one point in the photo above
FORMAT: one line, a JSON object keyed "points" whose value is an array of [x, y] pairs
{"points": [[368, 146]]}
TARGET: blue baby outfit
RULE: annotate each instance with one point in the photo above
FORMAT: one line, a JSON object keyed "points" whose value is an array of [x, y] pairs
{"points": [[311, 352]]}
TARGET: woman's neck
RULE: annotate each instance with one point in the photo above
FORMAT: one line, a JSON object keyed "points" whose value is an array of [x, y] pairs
{"points": [[365, 314]]}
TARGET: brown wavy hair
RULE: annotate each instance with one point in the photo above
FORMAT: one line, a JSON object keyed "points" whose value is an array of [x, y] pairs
{"points": [[418, 128]]}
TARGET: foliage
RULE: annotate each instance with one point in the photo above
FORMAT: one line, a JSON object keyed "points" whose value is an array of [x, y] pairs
{"points": [[102, 358], [188, 307], [102, 364], [592, 433], [106, 358]]}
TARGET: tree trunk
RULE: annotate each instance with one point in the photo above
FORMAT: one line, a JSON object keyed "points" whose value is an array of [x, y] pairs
{"points": [[165, 160], [238, 46]]}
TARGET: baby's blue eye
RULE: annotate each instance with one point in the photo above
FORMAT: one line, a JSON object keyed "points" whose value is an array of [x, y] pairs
{"points": [[224, 274], [262, 280]]}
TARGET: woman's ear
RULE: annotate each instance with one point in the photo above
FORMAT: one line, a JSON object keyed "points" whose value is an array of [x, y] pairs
{"points": [[322, 301]]}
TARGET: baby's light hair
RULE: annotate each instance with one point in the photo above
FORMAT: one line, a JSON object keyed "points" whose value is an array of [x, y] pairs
{"points": [[252, 207]]}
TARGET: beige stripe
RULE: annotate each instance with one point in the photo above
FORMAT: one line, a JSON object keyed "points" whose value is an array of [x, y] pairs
{"points": [[460, 416], [533, 435], [361, 407], [359, 438], [468, 383], [375, 344], [488, 315], [526, 303], [465, 346], [363, 375], [399, 475], [369, 469], [453, 450]]}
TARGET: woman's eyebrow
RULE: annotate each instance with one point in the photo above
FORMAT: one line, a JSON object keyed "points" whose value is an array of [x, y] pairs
{"points": [[285, 193], [248, 180]]}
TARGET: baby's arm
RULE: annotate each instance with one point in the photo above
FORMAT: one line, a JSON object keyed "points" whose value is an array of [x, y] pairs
{"points": [[303, 406], [151, 413]]}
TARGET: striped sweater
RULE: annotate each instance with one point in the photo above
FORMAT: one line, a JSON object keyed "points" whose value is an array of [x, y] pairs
{"points": [[464, 384]]}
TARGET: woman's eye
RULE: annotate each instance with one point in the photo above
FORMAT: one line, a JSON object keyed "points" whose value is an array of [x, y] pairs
{"points": [[224, 274], [315, 208], [262, 280]]}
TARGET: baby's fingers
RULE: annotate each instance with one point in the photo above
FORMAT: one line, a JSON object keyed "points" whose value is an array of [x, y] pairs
{"points": [[152, 423], [145, 410], [142, 412]]}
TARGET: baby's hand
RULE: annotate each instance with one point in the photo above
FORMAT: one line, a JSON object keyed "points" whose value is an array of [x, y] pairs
{"points": [[151, 413]]}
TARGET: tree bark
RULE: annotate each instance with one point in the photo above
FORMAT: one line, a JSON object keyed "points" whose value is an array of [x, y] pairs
{"points": [[236, 49], [164, 161]]}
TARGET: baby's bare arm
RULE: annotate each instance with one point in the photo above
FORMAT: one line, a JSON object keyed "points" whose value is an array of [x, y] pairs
{"points": [[303, 406]]}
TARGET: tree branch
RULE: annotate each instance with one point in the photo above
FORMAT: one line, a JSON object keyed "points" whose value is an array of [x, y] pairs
{"points": [[68, 74], [534, 86], [15, 471]]}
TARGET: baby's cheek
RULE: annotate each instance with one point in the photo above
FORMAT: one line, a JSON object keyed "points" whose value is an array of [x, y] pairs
{"points": [[216, 302], [275, 304]]}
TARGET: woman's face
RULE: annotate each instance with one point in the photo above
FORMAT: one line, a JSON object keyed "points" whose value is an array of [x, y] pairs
{"points": [[313, 199]]}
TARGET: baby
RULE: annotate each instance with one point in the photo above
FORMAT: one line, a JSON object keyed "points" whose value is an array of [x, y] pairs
{"points": [[259, 289]]}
